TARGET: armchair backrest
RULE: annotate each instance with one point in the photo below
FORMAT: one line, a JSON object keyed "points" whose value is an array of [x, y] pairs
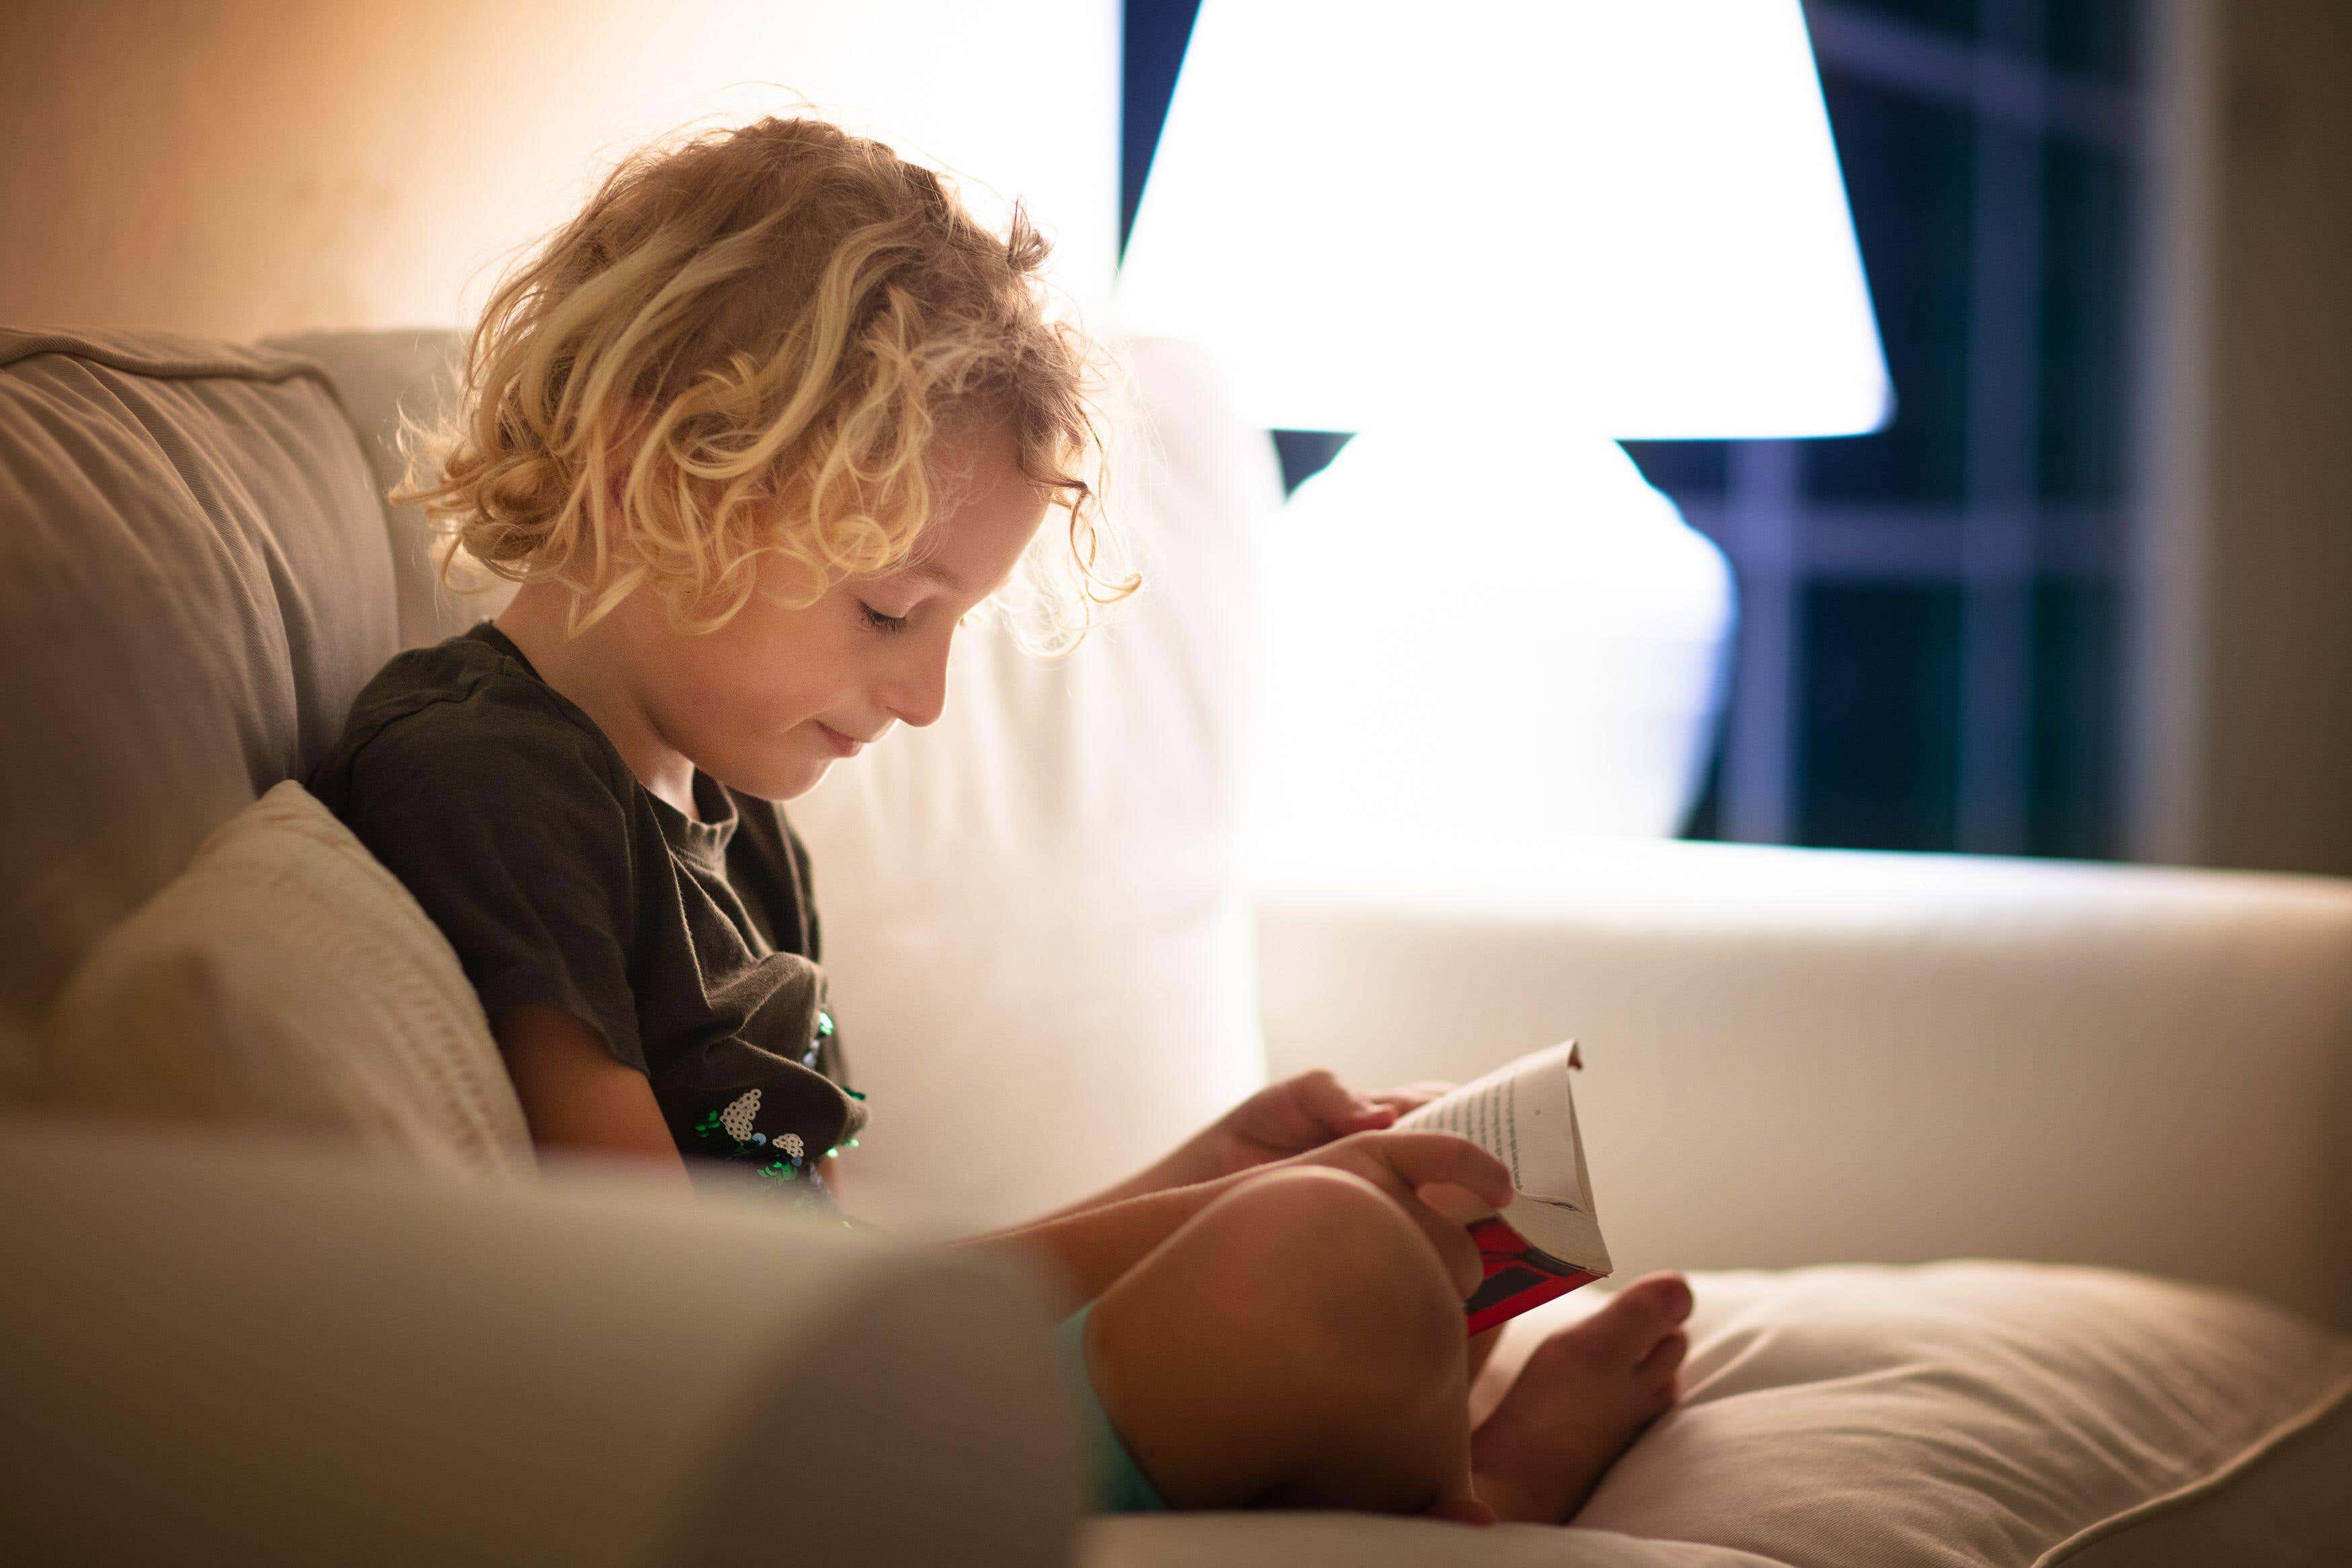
{"points": [[194, 581]]}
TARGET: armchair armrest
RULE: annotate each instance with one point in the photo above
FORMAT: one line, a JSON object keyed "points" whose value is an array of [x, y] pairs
{"points": [[1806, 1056], [212, 1354]]}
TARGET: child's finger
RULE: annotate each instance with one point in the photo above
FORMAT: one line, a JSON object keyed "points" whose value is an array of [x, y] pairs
{"points": [[1421, 1159], [1459, 1205], [1412, 1096], [1332, 1105]]}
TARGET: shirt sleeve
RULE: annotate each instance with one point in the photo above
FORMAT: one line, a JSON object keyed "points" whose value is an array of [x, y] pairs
{"points": [[500, 816]]}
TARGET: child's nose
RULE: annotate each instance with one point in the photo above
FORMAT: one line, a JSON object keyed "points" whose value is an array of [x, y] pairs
{"points": [[919, 693]]}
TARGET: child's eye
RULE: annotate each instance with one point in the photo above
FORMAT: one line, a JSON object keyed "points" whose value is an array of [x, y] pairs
{"points": [[881, 623]]}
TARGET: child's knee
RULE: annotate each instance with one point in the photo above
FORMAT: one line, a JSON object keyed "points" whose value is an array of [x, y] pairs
{"points": [[1344, 1275], [1297, 1340]]}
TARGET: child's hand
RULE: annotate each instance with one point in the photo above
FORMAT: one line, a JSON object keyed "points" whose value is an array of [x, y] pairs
{"points": [[1284, 1119], [1407, 1166], [1294, 1116]]}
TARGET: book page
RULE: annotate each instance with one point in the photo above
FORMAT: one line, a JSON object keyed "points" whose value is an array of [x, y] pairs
{"points": [[1525, 1115]]}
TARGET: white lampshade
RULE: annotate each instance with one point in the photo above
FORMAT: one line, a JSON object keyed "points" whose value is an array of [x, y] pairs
{"points": [[1367, 207]]}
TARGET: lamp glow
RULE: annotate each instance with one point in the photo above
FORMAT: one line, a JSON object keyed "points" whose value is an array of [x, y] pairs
{"points": [[1369, 210], [1492, 238], [1484, 660]]}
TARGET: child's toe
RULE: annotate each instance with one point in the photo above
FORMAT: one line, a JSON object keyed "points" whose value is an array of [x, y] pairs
{"points": [[1657, 1369], [1638, 1318], [1667, 1295]]}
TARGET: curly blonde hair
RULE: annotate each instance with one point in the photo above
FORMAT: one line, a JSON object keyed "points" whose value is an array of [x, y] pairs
{"points": [[764, 334]]}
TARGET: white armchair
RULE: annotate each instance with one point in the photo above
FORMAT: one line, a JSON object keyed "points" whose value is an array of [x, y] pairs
{"points": [[1050, 962]]}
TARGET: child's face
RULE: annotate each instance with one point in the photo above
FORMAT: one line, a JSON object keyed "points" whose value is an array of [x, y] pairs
{"points": [[771, 699]]}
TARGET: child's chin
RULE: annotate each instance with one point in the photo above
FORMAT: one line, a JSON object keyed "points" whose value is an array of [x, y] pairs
{"points": [[790, 784]]}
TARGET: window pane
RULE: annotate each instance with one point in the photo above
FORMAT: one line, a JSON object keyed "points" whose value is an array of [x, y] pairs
{"points": [[1307, 452], [2085, 312], [1153, 50], [1686, 470], [1956, 17], [1908, 171], [2093, 38], [2073, 730], [1878, 736]]}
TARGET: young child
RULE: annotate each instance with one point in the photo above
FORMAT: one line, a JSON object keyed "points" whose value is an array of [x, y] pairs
{"points": [[755, 433]]}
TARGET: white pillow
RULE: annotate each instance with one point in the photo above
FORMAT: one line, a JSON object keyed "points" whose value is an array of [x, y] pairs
{"points": [[1953, 1416], [1959, 1413], [1035, 923], [286, 979]]}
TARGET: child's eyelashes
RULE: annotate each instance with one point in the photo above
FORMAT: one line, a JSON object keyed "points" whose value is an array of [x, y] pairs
{"points": [[881, 623]]}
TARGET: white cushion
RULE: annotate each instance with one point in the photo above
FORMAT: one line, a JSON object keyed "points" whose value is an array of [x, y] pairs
{"points": [[1033, 917], [286, 979], [1956, 1415]]}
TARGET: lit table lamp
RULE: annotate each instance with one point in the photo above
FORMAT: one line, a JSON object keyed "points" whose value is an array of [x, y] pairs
{"points": [[1496, 239]]}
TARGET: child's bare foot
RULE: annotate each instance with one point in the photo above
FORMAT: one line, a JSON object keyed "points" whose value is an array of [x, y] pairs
{"points": [[1584, 1394]]}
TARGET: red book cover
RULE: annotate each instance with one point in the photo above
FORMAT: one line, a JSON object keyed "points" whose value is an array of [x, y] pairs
{"points": [[1547, 1241], [1517, 1276]]}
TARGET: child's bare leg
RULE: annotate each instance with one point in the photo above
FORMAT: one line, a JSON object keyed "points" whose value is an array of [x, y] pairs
{"points": [[1297, 1344], [1584, 1394]]}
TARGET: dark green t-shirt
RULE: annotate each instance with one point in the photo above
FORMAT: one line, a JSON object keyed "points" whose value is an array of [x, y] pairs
{"points": [[690, 948]]}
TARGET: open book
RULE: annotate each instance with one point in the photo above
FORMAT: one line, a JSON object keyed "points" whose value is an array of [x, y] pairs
{"points": [[1548, 1242]]}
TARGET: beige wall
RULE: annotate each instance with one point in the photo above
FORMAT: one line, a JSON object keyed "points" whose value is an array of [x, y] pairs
{"points": [[2275, 755], [236, 167]]}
